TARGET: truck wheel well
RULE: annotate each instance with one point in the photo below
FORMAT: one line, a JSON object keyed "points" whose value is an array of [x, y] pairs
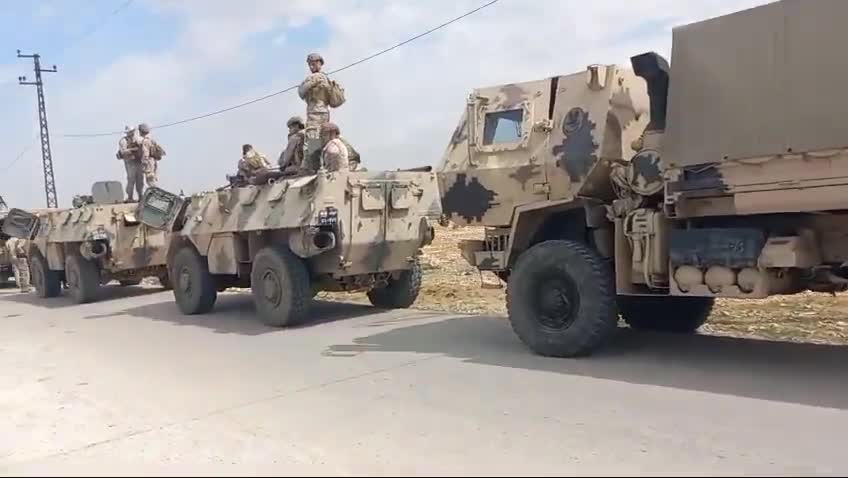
{"points": [[565, 225]]}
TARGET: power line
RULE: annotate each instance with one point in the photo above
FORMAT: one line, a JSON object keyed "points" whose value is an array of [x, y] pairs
{"points": [[290, 88], [20, 155], [96, 26], [91, 30]]}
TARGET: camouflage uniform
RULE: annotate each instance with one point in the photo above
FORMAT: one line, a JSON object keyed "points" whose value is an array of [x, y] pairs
{"points": [[252, 163], [334, 157], [17, 252], [149, 164], [128, 152], [291, 159], [315, 90]]}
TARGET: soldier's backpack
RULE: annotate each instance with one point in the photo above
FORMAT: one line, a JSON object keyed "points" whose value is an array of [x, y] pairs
{"points": [[336, 96], [352, 154], [156, 150]]}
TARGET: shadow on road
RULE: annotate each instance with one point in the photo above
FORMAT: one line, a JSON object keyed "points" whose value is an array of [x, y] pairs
{"points": [[107, 293], [235, 314], [798, 373]]}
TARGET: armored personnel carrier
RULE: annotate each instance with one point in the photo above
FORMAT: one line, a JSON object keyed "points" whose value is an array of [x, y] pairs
{"points": [[290, 237], [97, 241], [650, 192], [6, 270]]}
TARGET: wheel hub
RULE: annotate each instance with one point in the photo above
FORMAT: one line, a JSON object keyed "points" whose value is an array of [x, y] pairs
{"points": [[271, 289], [185, 280], [557, 302]]}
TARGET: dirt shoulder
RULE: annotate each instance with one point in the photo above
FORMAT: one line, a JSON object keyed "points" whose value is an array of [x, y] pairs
{"points": [[451, 285]]}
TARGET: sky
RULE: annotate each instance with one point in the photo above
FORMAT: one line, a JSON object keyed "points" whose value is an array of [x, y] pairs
{"points": [[159, 61]]}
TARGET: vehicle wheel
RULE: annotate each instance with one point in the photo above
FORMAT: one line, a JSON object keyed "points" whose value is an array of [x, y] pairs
{"points": [[165, 281], [46, 281], [400, 293], [281, 287], [83, 279], [561, 299], [194, 286], [129, 283], [665, 313]]}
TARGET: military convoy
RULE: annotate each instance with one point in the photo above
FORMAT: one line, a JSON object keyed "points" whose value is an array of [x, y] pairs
{"points": [[97, 241], [651, 192], [291, 237]]}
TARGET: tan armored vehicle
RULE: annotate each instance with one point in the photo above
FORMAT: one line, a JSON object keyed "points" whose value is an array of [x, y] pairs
{"points": [[97, 241], [6, 270], [738, 187], [291, 237]]}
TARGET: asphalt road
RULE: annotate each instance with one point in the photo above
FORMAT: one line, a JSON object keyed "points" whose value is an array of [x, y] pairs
{"points": [[128, 385]]}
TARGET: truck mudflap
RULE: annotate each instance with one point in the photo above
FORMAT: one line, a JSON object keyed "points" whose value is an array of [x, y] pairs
{"points": [[20, 224], [473, 251]]}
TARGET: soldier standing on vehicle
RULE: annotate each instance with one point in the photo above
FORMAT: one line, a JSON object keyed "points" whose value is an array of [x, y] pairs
{"points": [[320, 93], [128, 152], [291, 159], [17, 252], [151, 154], [334, 156]]}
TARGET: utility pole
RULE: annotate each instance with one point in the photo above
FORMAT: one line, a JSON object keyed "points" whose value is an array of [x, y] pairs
{"points": [[46, 157]]}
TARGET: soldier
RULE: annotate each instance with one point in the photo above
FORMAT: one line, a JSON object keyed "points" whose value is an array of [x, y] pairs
{"points": [[252, 163], [150, 155], [128, 152], [335, 155], [291, 159], [17, 252], [314, 90]]}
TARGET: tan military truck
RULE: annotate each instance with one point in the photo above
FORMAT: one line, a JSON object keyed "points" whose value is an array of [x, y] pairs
{"points": [[98, 241], [290, 237], [650, 192]]}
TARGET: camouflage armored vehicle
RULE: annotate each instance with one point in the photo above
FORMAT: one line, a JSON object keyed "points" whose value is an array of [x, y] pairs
{"points": [[290, 237], [97, 241], [650, 192], [6, 270]]}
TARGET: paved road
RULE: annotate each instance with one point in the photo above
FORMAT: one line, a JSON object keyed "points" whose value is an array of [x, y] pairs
{"points": [[129, 385]]}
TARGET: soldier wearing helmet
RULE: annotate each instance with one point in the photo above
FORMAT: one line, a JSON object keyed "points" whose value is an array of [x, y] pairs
{"points": [[314, 90], [151, 154], [291, 159], [128, 152]]}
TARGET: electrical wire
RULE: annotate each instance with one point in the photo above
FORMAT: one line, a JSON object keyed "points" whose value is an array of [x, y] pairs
{"points": [[290, 88]]}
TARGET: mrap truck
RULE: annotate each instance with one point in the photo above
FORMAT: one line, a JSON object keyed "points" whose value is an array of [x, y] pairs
{"points": [[649, 192]]}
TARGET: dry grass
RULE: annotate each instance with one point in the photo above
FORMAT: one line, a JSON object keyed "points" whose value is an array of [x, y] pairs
{"points": [[451, 285]]}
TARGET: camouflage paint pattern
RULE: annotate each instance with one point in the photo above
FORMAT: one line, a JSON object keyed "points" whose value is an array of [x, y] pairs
{"points": [[560, 135], [133, 249], [383, 219]]}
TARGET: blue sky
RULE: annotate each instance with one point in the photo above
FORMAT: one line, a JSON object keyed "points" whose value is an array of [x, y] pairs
{"points": [[162, 60]]}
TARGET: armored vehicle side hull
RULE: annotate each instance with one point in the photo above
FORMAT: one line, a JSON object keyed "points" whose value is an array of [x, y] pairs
{"points": [[88, 246], [731, 185], [293, 237]]}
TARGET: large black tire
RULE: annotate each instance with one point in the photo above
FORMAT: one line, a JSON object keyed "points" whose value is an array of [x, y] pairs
{"points": [[83, 279], [129, 283], [561, 299], [194, 286], [400, 293], [281, 287], [46, 281], [681, 315]]}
